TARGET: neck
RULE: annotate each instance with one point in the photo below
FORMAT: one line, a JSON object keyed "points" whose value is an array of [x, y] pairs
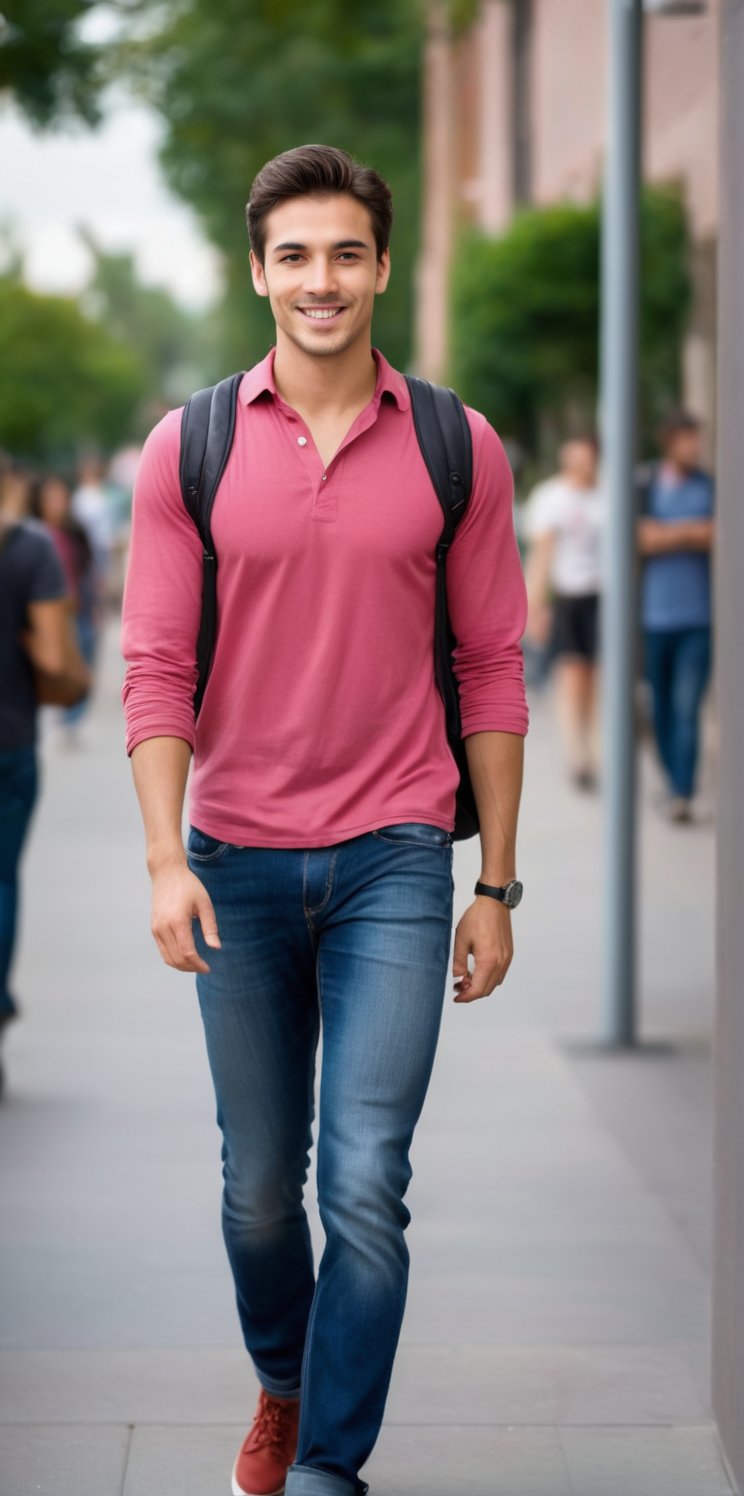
{"points": [[11, 513], [319, 384], [675, 469]]}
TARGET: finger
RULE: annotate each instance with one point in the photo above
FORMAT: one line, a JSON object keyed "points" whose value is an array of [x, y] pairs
{"points": [[172, 952], [162, 947], [485, 977], [188, 956], [460, 956], [170, 948], [208, 920]]}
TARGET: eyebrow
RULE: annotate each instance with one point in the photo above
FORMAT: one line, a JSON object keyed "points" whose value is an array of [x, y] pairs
{"points": [[342, 244]]}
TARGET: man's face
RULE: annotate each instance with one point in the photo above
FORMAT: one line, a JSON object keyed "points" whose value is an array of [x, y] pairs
{"points": [[684, 449], [321, 272], [579, 462]]}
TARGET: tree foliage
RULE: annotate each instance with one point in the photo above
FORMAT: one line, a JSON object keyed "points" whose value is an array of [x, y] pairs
{"points": [[174, 347], [64, 381], [238, 84], [526, 315], [50, 70]]}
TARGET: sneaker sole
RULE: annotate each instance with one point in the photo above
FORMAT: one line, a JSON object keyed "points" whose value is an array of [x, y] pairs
{"points": [[238, 1490]]}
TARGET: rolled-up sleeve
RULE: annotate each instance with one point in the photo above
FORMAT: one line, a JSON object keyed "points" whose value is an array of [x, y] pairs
{"points": [[486, 595], [162, 597]]}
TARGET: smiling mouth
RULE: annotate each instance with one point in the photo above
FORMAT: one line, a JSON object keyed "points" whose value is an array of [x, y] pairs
{"points": [[321, 313]]}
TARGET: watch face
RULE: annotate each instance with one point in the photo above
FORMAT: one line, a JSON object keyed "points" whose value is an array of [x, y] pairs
{"points": [[513, 894]]}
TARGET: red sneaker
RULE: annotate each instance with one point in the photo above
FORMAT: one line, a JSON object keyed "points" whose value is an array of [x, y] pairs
{"points": [[269, 1448]]}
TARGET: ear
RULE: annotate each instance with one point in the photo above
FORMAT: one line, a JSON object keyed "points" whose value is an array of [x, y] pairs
{"points": [[258, 276], [383, 272]]}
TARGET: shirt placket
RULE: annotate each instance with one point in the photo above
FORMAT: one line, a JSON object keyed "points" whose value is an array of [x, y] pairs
{"points": [[324, 481], [318, 477]]}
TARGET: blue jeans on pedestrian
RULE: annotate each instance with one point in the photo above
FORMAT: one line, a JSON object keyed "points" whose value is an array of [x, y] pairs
{"points": [[351, 940], [87, 640], [18, 789], [678, 665]]}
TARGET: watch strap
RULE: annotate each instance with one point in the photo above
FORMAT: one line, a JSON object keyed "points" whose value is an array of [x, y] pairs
{"points": [[491, 891]]}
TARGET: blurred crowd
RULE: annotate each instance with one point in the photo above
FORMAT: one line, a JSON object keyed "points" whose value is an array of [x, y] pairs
{"points": [[86, 518], [62, 553], [562, 526]]}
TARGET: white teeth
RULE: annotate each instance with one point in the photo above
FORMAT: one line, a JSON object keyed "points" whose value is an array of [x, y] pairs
{"points": [[320, 314]]}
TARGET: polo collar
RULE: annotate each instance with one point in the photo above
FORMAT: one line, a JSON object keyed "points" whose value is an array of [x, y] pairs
{"points": [[260, 381]]}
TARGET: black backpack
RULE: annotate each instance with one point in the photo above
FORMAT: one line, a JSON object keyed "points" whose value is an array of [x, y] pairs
{"points": [[207, 430]]}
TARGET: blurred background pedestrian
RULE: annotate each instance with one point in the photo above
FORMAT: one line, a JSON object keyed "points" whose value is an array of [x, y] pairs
{"points": [[563, 526], [51, 504], [94, 508], [675, 538], [38, 661]]}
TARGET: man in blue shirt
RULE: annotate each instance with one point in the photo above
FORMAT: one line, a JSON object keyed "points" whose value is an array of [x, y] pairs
{"points": [[675, 538]]}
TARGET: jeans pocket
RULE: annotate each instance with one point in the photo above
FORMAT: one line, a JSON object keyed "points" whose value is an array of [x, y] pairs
{"points": [[414, 834], [201, 847]]}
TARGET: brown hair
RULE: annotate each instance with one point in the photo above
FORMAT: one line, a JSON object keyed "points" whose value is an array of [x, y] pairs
{"points": [[675, 422], [320, 170]]}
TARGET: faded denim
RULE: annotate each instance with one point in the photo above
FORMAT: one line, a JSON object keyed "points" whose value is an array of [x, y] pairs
{"points": [[354, 939]]}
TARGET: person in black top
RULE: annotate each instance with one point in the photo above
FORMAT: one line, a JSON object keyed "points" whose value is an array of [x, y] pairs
{"points": [[34, 648]]}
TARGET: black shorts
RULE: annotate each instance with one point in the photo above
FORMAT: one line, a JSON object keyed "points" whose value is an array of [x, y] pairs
{"points": [[575, 626]]}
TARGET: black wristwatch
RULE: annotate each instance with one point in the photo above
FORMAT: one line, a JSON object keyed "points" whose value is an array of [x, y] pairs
{"points": [[510, 894]]}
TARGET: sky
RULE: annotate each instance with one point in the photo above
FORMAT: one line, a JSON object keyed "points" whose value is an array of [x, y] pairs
{"points": [[108, 179]]}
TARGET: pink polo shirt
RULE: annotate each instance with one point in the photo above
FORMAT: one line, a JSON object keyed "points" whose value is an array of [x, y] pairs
{"points": [[321, 718]]}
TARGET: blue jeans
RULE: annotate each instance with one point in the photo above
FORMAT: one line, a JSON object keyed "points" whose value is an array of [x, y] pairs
{"points": [[18, 789], [87, 639], [354, 937], [677, 668]]}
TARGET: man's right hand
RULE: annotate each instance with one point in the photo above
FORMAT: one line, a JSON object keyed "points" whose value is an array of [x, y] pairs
{"points": [[178, 898]]}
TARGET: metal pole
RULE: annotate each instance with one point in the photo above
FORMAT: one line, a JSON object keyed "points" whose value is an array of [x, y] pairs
{"points": [[619, 393]]}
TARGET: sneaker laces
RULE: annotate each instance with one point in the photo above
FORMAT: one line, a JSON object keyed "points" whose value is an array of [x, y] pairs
{"points": [[270, 1425]]}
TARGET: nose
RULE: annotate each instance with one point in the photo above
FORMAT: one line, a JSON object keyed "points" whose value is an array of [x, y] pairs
{"points": [[320, 277]]}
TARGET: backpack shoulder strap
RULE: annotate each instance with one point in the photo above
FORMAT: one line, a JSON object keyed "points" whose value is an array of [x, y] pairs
{"points": [[207, 431], [446, 446], [447, 449]]}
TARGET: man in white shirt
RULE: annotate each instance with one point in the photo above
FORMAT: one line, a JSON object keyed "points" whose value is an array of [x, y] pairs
{"points": [[564, 581]]}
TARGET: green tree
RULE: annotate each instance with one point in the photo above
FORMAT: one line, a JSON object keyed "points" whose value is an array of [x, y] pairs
{"points": [[237, 85], [175, 347], [526, 316], [50, 70], [64, 381]]}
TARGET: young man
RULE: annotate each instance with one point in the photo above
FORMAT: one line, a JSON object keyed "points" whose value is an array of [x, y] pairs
{"points": [[564, 583], [317, 881], [675, 537]]}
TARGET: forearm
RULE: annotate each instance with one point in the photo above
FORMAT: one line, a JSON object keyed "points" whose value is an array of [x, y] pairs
{"points": [[537, 572], [701, 534], [660, 537], [62, 676], [496, 764], [160, 767]]}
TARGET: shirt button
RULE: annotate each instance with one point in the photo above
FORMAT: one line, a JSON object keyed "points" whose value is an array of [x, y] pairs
{"points": [[325, 475], [302, 441]]}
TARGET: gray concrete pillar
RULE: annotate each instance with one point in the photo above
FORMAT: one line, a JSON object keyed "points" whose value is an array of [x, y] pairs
{"points": [[728, 1266]]}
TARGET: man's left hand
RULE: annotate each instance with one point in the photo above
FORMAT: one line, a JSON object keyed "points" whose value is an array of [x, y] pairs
{"points": [[485, 931]]}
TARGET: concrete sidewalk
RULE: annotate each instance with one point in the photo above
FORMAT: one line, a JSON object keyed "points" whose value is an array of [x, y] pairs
{"points": [[555, 1340]]}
